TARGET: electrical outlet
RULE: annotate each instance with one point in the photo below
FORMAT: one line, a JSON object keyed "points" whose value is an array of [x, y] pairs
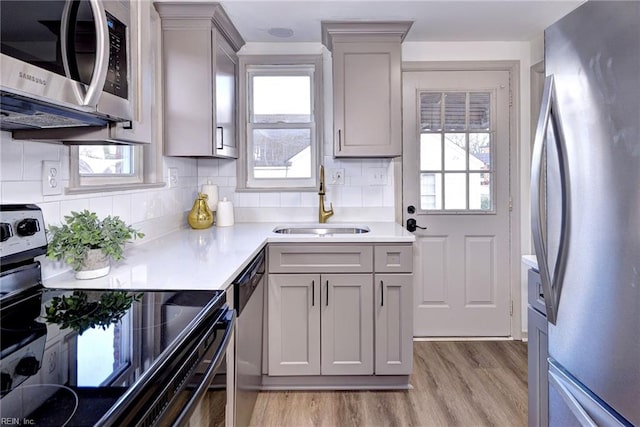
{"points": [[336, 176], [376, 176], [173, 177], [51, 178]]}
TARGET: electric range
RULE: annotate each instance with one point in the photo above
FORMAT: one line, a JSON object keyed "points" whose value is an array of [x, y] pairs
{"points": [[99, 357]]}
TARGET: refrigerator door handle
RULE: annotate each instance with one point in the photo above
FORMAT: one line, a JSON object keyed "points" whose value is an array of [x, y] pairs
{"points": [[548, 121], [572, 403]]}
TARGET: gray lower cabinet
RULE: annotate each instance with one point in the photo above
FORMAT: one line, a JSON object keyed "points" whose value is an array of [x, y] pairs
{"points": [[537, 355], [320, 324], [393, 324], [340, 309]]}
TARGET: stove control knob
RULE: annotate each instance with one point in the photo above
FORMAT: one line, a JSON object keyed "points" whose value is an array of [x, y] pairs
{"points": [[28, 366], [28, 227], [5, 231], [5, 382]]}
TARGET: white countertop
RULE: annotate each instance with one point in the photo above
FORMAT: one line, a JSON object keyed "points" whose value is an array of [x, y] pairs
{"points": [[530, 260], [209, 259]]}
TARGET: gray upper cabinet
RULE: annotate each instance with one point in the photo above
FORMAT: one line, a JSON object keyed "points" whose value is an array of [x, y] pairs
{"points": [[366, 87], [200, 74]]}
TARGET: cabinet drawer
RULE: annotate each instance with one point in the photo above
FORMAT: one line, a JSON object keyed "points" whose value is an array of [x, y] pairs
{"points": [[320, 259], [393, 259]]}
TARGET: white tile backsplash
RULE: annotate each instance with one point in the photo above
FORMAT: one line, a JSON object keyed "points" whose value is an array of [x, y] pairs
{"points": [[157, 211], [103, 206], [76, 205], [11, 154], [122, 207], [368, 184]]}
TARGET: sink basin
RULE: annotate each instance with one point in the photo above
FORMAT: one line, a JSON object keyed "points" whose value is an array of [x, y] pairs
{"points": [[322, 229]]}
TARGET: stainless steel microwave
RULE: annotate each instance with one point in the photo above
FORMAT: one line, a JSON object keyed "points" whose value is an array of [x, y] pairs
{"points": [[64, 63]]}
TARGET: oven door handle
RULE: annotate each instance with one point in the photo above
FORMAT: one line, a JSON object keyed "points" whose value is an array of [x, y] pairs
{"points": [[196, 397]]}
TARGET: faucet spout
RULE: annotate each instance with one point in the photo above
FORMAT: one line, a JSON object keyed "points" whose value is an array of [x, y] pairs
{"points": [[323, 214]]}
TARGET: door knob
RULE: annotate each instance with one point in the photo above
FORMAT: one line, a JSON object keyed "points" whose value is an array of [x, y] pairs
{"points": [[412, 225]]}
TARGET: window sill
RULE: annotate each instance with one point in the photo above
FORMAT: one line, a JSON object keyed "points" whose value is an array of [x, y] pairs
{"points": [[115, 187], [276, 190]]}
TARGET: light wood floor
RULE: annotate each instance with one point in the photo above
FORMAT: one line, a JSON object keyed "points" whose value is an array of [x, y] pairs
{"points": [[454, 384]]}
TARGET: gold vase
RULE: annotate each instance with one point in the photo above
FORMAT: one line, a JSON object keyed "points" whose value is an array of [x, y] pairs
{"points": [[200, 216]]}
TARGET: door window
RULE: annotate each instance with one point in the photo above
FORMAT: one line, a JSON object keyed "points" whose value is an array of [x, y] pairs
{"points": [[456, 148]]}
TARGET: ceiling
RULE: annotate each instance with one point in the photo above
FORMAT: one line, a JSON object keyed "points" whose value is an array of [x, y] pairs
{"points": [[434, 20]]}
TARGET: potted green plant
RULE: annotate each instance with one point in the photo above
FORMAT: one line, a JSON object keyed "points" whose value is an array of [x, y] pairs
{"points": [[87, 243]]}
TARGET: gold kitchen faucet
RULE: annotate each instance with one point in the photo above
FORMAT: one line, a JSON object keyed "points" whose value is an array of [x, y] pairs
{"points": [[323, 214]]}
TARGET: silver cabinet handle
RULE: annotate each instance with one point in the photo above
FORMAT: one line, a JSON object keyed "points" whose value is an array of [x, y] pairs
{"points": [[549, 115], [219, 137], [339, 140], [91, 97], [327, 287]]}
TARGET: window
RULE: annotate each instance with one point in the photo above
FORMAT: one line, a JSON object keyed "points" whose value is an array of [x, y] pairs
{"points": [[107, 165], [282, 112], [456, 151]]}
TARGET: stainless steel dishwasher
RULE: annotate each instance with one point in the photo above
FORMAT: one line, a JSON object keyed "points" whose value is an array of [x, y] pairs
{"points": [[249, 302]]}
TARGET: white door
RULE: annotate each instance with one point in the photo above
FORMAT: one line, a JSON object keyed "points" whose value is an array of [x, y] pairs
{"points": [[456, 183]]}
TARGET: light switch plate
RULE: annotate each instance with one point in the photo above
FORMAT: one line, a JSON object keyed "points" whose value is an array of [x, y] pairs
{"points": [[51, 178], [336, 176], [173, 177]]}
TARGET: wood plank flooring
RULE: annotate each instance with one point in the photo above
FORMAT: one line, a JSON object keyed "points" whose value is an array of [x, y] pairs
{"points": [[461, 383]]}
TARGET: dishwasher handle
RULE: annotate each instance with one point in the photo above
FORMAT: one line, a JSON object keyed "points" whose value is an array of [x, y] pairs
{"points": [[248, 281]]}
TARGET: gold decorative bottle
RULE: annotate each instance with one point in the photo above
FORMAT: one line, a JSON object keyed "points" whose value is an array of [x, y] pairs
{"points": [[200, 216]]}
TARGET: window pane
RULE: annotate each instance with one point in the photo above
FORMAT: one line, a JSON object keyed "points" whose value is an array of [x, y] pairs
{"points": [[455, 191], [281, 153], [455, 111], [430, 151], [430, 111], [480, 150], [480, 191], [281, 99], [430, 191], [479, 111], [455, 154], [106, 160]]}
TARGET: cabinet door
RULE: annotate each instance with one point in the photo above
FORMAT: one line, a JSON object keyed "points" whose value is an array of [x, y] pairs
{"points": [[347, 324], [144, 63], [366, 97], [294, 324], [188, 89], [394, 324], [538, 366], [226, 67]]}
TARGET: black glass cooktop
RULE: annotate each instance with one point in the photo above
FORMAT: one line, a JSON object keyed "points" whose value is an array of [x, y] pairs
{"points": [[68, 357]]}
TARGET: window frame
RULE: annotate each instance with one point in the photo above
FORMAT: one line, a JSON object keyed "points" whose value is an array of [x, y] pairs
{"points": [[467, 171], [258, 65], [148, 162], [100, 180]]}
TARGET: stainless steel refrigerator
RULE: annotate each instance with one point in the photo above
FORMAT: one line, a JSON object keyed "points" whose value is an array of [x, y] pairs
{"points": [[586, 213]]}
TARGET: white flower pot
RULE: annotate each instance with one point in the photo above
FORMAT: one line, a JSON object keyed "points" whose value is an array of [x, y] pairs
{"points": [[96, 264]]}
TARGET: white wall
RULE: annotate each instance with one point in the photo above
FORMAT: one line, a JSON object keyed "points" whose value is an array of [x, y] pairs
{"points": [[154, 211]]}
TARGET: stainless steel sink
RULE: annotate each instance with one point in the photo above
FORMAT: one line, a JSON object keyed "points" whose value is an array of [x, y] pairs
{"points": [[322, 229]]}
